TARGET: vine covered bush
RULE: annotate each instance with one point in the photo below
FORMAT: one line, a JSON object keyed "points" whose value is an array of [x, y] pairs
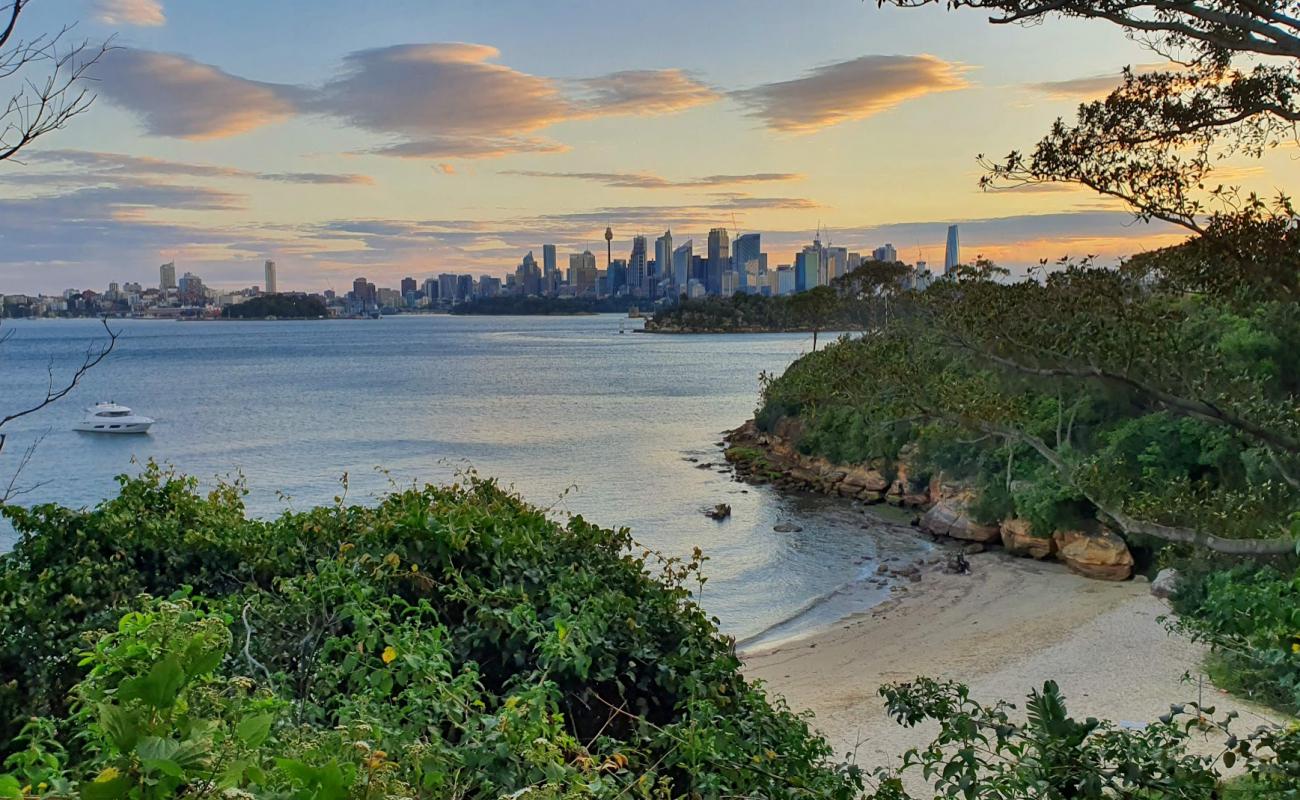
{"points": [[446, 642]]}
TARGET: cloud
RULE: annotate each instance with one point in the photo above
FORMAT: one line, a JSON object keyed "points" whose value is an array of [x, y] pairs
{"points": [[1095, 87], [848, 90], [437, 101], [662, 91], [446, 169], [319, 178], [427, 91], [647, 180], [99, 165], [144, 13], [469, 147], [176, 96]]}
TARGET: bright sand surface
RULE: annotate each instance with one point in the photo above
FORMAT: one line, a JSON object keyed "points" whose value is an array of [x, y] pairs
{"points": [[1003, 629]]}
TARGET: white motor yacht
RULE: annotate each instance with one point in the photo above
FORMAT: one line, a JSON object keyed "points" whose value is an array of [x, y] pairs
{"points": [[112, 418]]}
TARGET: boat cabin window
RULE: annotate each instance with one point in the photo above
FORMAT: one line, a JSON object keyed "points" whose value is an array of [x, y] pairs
{"points": [[114, 414]]}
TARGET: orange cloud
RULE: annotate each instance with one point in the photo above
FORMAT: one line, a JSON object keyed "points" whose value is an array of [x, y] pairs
{"points": [[648, 180], [175, 96], [849, 90], [144, 13], [663, 91], [1095, 87]]}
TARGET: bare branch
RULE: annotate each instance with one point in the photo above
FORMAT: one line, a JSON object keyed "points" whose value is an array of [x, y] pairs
{"points": [[94, 355]]}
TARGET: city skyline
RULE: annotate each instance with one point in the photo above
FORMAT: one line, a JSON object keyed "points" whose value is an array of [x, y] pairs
{"points": [[438, 138]]}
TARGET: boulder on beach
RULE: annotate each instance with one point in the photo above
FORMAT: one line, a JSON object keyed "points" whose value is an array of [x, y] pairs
{"points": [[951, 517], [1165, 584], [1094, 554], [1019, 540]]}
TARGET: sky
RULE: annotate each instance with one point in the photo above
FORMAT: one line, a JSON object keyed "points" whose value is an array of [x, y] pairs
{"points": [[415, 137]]}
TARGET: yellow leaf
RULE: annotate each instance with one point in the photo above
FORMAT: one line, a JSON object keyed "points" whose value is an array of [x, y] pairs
{"points": [[107, 774]]}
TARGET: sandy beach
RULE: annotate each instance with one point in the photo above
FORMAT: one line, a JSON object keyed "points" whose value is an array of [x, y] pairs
{"points": [[1003, 629]]}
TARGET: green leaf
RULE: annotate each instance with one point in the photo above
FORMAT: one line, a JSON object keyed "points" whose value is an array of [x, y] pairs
{"points": [[253, 730], [160, 687], [105, 790], [10, 788], [164, 765], [122, 726], [156, 748]]}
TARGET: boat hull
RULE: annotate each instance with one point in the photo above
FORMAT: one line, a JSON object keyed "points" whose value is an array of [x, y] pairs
{"points": [[139, 426]]}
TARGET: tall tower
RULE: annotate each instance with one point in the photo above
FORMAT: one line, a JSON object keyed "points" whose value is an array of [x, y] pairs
{"points": [[167, 276], [951, 253], [609, 246], [270, 277], [719, 253]]}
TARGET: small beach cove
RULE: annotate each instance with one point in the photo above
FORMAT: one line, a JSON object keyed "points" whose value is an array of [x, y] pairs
{"points": [[1003, 629]]}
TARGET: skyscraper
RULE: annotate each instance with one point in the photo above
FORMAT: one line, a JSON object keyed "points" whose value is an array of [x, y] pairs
{"points": [[638, 276], [885, 253], [719, 259], [951, 253], [167, 276], [745, 258], [548, 259], [664, 256], [269, 269], [682, 257], [583, 272]]}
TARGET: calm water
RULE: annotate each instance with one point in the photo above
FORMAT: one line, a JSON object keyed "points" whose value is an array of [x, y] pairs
{"points": [[569, 411]]}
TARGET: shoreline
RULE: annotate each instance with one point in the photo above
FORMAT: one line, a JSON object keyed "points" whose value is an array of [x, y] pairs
{"points": [[1003, 630]]}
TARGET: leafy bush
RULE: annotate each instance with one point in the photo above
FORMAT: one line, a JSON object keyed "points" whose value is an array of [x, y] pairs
{"points": [[982, 752], [446, 642], [1251, 618]]}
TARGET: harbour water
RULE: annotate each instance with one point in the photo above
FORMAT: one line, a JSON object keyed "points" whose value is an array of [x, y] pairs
{"points": [[617, 427]]}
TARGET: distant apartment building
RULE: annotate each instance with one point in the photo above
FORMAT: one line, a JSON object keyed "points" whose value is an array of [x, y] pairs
{"points": [[885, 252], [268, 269], [167, 276], [447, 288]]}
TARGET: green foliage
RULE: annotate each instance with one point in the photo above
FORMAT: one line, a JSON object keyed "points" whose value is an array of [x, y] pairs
{"points": [[280, 306], [447, 642], [1251, 617], [984, 752], [545, 306], [814, 310]]}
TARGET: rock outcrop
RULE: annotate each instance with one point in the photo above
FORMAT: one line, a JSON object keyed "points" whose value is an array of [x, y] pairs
{"points": [[1018, 539], [951, 517], [762, 457], [1094, 554]]}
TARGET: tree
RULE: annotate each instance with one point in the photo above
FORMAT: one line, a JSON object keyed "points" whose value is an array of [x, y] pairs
{"points": [[870, 287], [816, 306], [45, 76], [1232, 86]]}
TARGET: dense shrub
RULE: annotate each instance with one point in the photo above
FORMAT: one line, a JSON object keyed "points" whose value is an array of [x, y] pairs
{"points": [[990, 752], [446, 642], [1251, 617]]}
